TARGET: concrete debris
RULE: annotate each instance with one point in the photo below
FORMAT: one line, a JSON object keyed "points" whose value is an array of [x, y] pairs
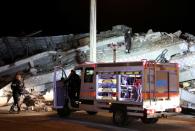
{"points": [[189, 37], [154, 36], [33, 71], [81, 57], [120, 28], [178, 33], [150, 31]]}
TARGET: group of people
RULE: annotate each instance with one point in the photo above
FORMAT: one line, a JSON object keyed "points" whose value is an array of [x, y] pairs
{"points": [[17, 87]]}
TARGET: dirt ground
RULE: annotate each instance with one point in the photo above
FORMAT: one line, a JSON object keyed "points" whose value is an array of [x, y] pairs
{"points": [[80, 121]]}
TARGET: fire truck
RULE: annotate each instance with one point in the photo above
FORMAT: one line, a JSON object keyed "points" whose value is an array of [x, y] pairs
{"points": [[143, 89]]}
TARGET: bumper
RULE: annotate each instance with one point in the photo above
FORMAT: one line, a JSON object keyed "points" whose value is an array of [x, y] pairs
{"points": [[163, 115], [166, 113]]}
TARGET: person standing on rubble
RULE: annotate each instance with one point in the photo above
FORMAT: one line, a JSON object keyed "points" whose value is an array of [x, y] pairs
{"points": [[17, 87], [128, 40]]}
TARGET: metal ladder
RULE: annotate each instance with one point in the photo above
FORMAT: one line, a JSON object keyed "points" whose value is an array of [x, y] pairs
{"points": [[152, 67]]}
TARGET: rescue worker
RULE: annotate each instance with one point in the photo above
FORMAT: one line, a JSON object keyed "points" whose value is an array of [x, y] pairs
{"points": [[74, 83], [17, 87], [128, 41]]}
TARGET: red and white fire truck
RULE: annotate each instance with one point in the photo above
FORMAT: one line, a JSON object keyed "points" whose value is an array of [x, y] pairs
{"points": [[144, 89]]}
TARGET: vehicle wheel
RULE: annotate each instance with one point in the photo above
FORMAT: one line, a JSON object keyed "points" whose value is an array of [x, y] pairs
{"points": [[64, 112], [120, 117], [149, 120], [185, 111], [91, 112]]}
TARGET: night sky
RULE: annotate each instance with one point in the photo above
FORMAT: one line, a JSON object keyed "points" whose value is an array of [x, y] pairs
{"points": [[57, 17]]}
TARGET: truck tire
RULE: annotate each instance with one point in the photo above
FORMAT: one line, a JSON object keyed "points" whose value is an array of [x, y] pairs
{"points": [[185, 111], [120, 117], [91, 112], [149, 120], [64, 112]]}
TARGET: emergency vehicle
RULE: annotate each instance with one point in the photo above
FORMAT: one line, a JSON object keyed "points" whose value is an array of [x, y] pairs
{"points": [[144, 89]]}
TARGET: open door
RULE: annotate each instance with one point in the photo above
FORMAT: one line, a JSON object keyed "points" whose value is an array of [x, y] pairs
{"points": [[60, 92]]}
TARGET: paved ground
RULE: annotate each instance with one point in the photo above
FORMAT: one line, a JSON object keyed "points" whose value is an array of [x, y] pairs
{"points": [[80, 121]]}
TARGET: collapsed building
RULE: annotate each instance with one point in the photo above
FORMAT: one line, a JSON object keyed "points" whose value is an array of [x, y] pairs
{"points": [[36, 57]]}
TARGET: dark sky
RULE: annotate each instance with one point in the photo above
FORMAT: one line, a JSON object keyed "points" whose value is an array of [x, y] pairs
{"points": [[72, 16]]}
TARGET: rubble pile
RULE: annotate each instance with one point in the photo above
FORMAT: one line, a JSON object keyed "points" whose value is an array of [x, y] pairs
{"points": [[34, 102], [31, 101]]}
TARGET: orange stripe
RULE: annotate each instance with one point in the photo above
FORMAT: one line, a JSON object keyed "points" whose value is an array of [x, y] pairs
{"points": [[144, 95], [84, 94], [93, 94], [87, 94], [150, 95]]}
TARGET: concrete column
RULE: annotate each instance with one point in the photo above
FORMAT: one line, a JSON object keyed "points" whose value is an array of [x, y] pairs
{"points": [[93, 31]]}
